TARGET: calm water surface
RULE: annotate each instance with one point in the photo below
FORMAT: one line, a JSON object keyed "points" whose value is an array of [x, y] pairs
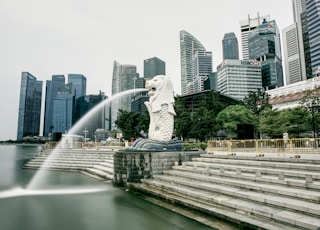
{"points": [[113, 208]]}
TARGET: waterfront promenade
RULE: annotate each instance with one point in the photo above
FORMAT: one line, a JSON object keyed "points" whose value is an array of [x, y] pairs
{"points": [[241, 189]]}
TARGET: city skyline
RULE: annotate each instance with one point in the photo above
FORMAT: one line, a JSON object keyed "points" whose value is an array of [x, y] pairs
{"points": [[51, 38]]}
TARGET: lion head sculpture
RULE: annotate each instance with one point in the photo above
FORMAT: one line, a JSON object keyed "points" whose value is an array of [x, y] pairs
{"points": [[160, 91]]}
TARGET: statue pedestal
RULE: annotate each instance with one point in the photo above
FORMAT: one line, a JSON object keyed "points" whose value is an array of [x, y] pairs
{"points": [[154, 145], [134, 165]]}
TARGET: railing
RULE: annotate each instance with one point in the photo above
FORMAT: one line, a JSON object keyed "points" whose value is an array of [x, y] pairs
{"points": [[262, 146]]}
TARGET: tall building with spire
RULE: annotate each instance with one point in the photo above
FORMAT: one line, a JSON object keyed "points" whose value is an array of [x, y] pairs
{"points": [[246, 26], [29, 106], [188, 45], [230, 46]]}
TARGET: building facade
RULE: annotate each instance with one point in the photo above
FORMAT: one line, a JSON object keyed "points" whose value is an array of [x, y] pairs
{"points": [[63, 109], [246, 26], [313, 22], [230, 46], [124, 78], [236, 78], [265, 46], [79, 83], [153, 67], [202, 68], [29, 106], [188, 45], [51, 93]]}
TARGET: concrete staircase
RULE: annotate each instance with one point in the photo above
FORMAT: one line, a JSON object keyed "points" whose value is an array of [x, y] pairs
{"points": [[251, 192], [92, 162]]}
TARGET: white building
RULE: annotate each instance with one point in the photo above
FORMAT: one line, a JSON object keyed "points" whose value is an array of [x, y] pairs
{"points": [[289, 96], [236, 78], [202, 68]]}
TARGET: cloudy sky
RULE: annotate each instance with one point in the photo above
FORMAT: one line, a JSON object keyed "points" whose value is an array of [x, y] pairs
{"points": [[47, 37]]}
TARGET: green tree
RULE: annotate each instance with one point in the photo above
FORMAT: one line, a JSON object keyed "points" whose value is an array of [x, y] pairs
{"points": [[129, 123], [273, 123], [311, 102], [231, 116], [182, 121], [298, 119], [257, 101]]}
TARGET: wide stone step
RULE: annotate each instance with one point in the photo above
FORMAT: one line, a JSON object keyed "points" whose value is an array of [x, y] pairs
{"points": [[252, 176], [100, 173], [255, 196], [254, 169], [278, 163], [238, 205], [239, 218]]}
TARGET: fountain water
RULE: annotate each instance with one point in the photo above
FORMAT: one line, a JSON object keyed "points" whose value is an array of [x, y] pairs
{"points": [[34, 186]]}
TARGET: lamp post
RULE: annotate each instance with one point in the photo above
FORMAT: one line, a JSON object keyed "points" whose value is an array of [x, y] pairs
{"points": [[85, 131]]}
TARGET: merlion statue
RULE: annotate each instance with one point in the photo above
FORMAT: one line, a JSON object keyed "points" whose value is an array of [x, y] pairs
{"points": [[161, 112], [160, 108]]}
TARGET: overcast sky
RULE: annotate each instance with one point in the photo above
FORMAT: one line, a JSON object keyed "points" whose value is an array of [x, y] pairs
{"points": [[86, 36]]}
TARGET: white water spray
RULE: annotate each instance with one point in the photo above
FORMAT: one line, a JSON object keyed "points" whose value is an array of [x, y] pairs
{"points": [[40, 175]]}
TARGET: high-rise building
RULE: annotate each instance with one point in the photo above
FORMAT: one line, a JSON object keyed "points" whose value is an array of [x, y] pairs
{"points": [[51, 93], [202, 68], [29, 106], [230, 46], [79, 83], [296, 46], [246, 26], [63, 109], [264, 46], [294, 66], [123, 78], [153, 67], [236, 78], [97, 120], [188, 45], [313, 22]]}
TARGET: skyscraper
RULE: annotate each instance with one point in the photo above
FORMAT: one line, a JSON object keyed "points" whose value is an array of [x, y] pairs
{"points": [[313, 20], [123, 78], [79, 83], [153, 67], [51, 93], [264, 46], [202, 68], [296, 46], [246, 26], [63, 109], [188, 45], [230, 46], [236, 78], [29, 106]]}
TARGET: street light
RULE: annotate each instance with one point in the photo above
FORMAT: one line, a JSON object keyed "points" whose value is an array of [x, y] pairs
{"points": [[85, 131]]}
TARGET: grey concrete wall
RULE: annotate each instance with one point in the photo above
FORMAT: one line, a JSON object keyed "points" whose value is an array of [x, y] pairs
{"points": [[132, 166]]}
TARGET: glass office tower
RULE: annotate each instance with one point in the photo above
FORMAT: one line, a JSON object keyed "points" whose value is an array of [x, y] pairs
{"points": [[313, 20], [63, 109], [29, 106], [264, 46], [188, 45], [153, 67], [230, 46], [51, 93], [79, 83]]}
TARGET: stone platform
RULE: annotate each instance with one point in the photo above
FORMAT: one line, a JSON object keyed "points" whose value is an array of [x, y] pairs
{"points": [[252, 192]]}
